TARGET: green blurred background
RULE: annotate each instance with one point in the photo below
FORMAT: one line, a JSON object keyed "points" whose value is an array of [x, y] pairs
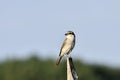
{"points": [[34, 68]]}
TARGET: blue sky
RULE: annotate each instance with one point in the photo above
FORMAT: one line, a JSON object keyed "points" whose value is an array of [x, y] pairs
{"points": [[28, 26]]}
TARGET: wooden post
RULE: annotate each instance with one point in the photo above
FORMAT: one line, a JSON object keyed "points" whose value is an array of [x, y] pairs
{"points": [[71, 73]]}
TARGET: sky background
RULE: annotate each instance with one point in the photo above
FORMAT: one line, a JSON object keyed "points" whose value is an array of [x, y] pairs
{"points": [[37, 27]]}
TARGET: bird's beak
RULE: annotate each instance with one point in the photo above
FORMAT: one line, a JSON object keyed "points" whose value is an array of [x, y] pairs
{"points": [[66, 33]]}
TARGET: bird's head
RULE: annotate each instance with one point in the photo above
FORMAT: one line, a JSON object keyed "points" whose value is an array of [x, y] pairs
{"points": [[69, 34]]}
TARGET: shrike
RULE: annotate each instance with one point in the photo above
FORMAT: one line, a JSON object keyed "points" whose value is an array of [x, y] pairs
{"points": [[67, 45]]}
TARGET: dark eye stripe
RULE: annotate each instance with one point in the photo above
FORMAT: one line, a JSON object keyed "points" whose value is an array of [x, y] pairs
{"points": [[70, 33]]}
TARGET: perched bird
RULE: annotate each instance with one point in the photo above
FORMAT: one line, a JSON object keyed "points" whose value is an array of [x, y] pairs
{"points": [[67, 45]]}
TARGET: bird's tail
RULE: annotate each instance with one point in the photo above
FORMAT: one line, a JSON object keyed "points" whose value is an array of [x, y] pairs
{"points": [[58, 60]]}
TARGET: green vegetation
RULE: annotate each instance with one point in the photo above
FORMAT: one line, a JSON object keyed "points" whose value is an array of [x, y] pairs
{"points": [[38, 69]]}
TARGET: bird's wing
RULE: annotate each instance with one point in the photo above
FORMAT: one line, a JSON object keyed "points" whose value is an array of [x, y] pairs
{"points": [[62, 46]]}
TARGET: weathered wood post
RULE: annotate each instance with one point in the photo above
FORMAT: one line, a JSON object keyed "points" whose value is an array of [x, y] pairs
{"points": [[71, 73]]}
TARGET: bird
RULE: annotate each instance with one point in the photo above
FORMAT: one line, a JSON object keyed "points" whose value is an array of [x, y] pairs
{"points": [[67, 45]]}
